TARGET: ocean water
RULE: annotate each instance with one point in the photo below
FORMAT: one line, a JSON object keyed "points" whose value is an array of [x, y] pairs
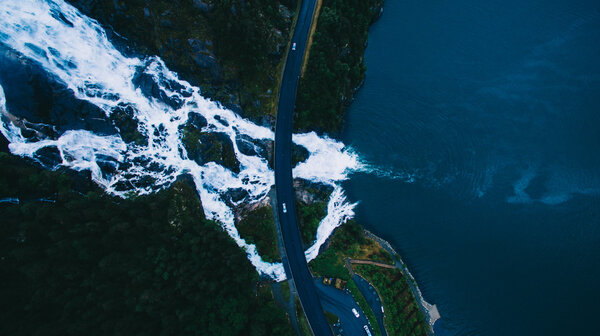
{"points": [[483, 120]]}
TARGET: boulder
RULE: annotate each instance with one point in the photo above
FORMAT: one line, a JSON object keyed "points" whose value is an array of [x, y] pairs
{"points": [[309, 192], [204, 147], [55, 108], [299, 154], [203, 6]]}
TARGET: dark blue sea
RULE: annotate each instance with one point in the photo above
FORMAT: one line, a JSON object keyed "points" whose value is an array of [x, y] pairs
{"points": [[482, 119]]}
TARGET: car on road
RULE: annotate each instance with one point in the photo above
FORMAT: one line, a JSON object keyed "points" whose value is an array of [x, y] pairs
{"points": [[355, 312], [382, 309], [283, 208], [294, 46], [367, 330]]}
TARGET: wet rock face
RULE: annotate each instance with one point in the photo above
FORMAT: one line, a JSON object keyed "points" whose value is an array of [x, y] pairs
{"points": [[42, 107], [309, 192], [196, 120], [158, 27], [204, 6], [231, 49], [299, 154], [204, 147], [151, 88], [254, 147], [204, 57], [233, 197], [49, 157], [124, 119]]}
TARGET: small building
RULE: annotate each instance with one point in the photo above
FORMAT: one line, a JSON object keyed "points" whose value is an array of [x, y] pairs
{"points": [[340, 284]]}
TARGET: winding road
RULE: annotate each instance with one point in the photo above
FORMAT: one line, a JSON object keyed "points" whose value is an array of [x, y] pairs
{"points": [[294, 259]]}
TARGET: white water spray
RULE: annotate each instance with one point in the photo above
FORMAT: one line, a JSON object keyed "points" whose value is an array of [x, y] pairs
{"points": [[74, 49]]}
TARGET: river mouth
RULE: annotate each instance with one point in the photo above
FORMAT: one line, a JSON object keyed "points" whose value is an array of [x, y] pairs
{"points": [[481, 120]]}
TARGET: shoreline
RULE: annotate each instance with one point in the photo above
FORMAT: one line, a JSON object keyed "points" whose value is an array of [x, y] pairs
{"points": [[430, 310]]}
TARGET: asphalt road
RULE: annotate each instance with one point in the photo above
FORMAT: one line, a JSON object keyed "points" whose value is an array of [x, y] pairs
{"points": [[341, 303], [294, 260], [372, 298]]}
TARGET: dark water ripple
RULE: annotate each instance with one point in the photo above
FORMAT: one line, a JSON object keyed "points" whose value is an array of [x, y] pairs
{"points": [[492, 108]]}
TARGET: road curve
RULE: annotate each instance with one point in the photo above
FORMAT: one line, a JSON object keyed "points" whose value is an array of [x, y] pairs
{"points": [[294, 260], [341, 303]]}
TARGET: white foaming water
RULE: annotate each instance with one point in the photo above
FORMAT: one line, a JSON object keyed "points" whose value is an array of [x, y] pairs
{"points": [[79, 150], [329, 160], [338, 212], [74, 49]]}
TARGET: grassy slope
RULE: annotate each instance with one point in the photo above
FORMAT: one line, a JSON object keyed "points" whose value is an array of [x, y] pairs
{"points": [[402, 314]]}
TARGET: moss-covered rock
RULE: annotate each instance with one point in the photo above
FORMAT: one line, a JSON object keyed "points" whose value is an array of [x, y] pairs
{"points": [[299, 154], [232, 49], [309, 217], [204, 147], [123, 117], [310, 192], [258, 227]]}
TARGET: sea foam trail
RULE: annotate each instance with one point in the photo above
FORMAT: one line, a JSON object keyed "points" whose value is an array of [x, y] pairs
{"points": [[74, 50]]}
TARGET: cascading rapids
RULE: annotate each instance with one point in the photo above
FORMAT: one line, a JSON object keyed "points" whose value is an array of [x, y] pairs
{"points": [[74, 50]]}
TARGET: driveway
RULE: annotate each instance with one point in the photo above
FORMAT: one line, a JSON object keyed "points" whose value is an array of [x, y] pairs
{"points": [[372, 299], [341, 303]]}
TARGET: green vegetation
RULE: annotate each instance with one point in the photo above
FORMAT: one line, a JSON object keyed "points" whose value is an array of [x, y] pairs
{"points": [[232, 49], [331, 317], [344, 242], [258, 227], [402, 315], [285, 290], [335, 67], [88, 263], [251, 37], [299, 154], [364, 306], [329, 264], [209, 147], [302, 321], [124, 119], [309, 217], [268, 319], [85, 263]]}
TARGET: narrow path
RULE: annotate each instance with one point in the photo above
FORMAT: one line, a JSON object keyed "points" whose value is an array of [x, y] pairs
{"points": [[294, 261], [369, 262], [428, 309]]}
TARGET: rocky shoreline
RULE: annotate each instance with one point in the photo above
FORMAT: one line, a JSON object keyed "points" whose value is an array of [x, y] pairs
{"points": [[430, 310]]}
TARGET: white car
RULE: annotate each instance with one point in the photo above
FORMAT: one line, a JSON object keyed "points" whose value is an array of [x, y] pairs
{"points": [[382, 309], [294, 46], [355, 312], [367, 330], [284, 209]]}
